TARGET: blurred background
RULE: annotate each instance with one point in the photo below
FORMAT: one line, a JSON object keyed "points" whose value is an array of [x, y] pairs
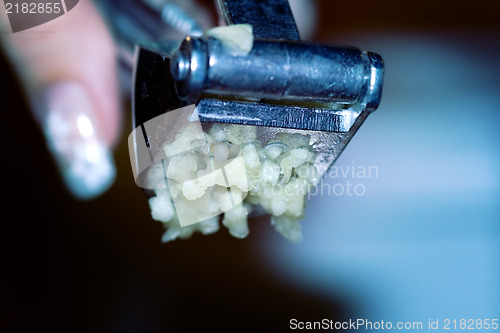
{"points": [[422, 242]]}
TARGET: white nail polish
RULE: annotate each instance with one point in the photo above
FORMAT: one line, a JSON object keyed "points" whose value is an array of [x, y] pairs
{"points": [[70, 127]]}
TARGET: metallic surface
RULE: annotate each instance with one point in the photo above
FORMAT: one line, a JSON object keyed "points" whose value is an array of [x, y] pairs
{"points": [[275, 115], [270, 19], [287, 70], [178, 19], [326, 145], [279, 83], [277, 70], [153, 89], [282, 86]]}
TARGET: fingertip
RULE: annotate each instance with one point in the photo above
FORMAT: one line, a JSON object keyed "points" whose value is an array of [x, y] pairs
{"points": [[68, 68], [75, 138]]}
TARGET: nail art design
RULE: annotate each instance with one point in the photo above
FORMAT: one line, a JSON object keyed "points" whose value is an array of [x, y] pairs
{"points": [[73, 137]]}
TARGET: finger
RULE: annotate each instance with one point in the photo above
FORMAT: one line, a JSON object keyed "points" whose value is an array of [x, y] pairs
{"points": [[68, 69]]}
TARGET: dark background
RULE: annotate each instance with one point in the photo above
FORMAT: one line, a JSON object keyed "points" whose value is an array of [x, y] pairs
{"points": [[99, 266]]}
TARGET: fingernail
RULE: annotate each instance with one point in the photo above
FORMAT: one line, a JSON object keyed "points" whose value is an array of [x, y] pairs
{"points": [[75, 140]]}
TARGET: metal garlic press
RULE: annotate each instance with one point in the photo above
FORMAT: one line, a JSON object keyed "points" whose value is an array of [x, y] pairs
{"points": [[283, 84]]}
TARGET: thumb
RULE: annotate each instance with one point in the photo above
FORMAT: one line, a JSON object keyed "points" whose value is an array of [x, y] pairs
{"points": [[68, 69]]}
